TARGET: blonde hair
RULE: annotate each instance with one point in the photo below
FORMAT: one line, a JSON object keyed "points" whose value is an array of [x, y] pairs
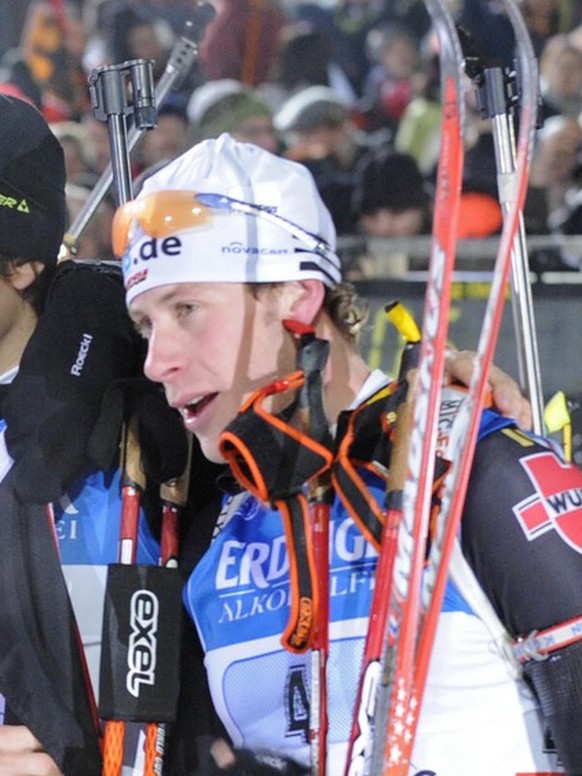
{"points": [[346, 309]]}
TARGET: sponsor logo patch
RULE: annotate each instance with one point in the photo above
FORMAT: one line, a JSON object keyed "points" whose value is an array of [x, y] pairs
{"points": [[143, 642], [21, 205], [556, 503], [139, 277], [239, 248]]}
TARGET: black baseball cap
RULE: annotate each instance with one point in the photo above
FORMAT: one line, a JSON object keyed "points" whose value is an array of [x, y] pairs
{"points": [[32, 184], [389, 179]]}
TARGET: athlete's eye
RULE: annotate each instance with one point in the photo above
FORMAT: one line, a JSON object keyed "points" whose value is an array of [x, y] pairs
{"points": [[143, 327], [184, 309]]}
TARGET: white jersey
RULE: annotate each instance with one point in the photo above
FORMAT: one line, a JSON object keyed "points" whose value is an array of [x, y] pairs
{"points": [[478, 716]]}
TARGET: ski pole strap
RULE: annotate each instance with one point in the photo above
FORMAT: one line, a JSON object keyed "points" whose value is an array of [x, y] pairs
{"points": [[364, 442], [268, 456], [298, 634], [275, 461], [312, 355], [539, 644]]}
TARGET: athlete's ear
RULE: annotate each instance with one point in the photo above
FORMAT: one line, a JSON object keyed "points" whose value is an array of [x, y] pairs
{"points": [[22, 275], [304, 299]]}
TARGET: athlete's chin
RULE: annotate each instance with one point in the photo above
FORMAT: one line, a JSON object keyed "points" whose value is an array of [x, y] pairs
{"points": [[210, 449]]}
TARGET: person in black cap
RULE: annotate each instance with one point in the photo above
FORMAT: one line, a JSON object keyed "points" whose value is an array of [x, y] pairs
{"points": [[391, 196], [32, 225], [391, 199], [32, 179], [65, 340]]}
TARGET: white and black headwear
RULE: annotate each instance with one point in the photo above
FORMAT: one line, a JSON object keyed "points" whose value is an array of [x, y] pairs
{"points": [[261, 220]]}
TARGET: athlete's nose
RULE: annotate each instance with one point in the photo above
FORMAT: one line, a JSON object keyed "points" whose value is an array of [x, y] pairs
{"points": [[165, 355]]}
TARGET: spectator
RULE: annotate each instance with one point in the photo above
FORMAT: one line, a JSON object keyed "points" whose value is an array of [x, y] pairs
{"points": [[72, 135], [205, 95], [52, 46], [546, 18], [391, 200], [304, 58], [135, 35], [241, 41], [419, 129], [555, 165], [168, 139], [174, 13], [560, 78], [317, 130], [348, 22], [351, 22], [164, 21], [227, 105], [393, 78]]}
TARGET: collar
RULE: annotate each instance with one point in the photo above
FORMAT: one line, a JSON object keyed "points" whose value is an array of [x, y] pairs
{"points": [[376, 379]]}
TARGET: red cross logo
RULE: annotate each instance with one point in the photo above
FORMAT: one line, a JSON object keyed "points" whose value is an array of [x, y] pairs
{"points": [[557, 500]]}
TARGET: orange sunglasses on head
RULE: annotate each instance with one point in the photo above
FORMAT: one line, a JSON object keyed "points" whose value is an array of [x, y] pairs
{"points": [[159, 214], [169, 211]]}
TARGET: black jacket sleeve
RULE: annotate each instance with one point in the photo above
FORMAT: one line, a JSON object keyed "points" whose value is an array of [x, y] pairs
{"points": [[522, 535], [522, 531], [39, 647]]}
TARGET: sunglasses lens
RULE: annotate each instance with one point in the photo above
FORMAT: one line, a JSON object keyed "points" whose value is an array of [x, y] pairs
{"points": [[160, 214], [120, 227]]}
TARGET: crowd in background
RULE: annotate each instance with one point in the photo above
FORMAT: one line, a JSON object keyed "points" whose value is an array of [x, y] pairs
{"points": [[351, 89]]}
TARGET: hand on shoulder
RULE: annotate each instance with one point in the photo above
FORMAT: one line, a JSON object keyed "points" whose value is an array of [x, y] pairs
{"points": [[507, 397]]}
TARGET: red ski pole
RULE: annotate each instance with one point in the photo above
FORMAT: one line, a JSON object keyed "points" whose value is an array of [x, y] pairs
{"points": [[456, 483], [396, 688], [133, 483], [318, 722], [359, 747]]}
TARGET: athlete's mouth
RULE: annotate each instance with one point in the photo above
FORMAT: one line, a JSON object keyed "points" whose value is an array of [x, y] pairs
{"points": [[195, 407]]}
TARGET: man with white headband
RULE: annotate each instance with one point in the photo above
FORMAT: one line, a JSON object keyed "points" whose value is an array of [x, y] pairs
{"points": [[230, 268]]}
